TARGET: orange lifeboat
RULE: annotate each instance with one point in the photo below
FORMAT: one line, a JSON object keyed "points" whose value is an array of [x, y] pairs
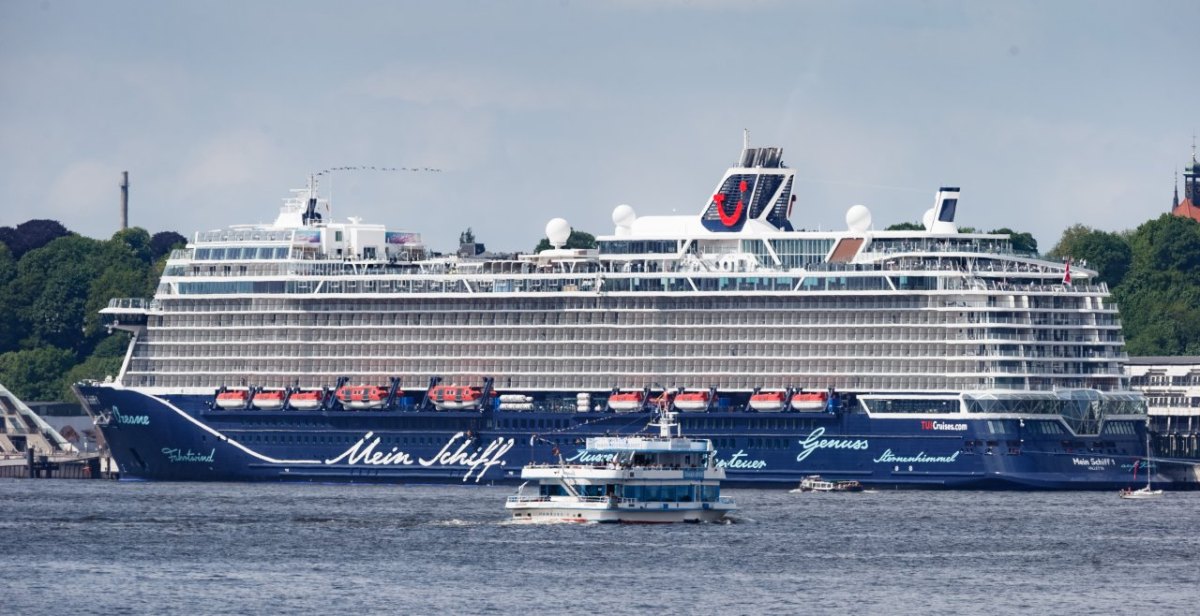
{"points": [[626, 401], [308, 400], [360, 397], [692, 400], [268, 400], [768, 401], [455, 397], [234, 399], [810, 401]]}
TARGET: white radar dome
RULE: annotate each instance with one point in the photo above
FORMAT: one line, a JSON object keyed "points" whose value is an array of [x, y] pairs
{"points": [[927, 219], [623, 216], [557, 231], [858, 218]]}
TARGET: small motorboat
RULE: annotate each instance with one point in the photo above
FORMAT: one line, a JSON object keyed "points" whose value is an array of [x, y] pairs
{"points": [[233, 399], [692, 400], [810, 401], [814, 483], [268, 400], [626, 401], [307, 400], [361, 397], [768, 401]]}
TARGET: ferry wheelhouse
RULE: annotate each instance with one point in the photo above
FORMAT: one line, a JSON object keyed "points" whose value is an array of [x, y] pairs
{"points": [[910, 358]]}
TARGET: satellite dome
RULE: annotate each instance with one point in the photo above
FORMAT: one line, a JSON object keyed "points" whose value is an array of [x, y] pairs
{"points": [[623, 216], [927, 219], [858, 218], [557, 231]]}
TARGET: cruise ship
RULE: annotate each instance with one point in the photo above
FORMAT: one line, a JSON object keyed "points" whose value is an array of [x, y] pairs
{"points": [[315, 349]]}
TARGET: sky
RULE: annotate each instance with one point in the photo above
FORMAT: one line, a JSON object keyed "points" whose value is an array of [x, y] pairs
{"points": [[1046, 114]]}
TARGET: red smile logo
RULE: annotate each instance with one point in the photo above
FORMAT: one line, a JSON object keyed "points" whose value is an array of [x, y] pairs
{"points": [[731, 219]]}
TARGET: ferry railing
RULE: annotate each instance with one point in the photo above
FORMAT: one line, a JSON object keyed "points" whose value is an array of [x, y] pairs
{"points": [[520, 498]]}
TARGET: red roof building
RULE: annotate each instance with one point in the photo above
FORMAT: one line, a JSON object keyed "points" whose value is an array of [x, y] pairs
{"points": [[1190, 206]]}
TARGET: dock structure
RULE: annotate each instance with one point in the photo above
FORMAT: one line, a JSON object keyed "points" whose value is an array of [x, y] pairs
{"points": [[1171, 386], [31, 447]]}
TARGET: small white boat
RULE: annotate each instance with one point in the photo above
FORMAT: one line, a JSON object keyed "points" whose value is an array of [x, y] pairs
{"points": [[814, 483], [1141, 493], [646, 480], [1146, 492]]}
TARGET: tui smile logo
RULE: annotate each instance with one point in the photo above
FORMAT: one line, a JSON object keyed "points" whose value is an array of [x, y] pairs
{"points": [[732, 219]]}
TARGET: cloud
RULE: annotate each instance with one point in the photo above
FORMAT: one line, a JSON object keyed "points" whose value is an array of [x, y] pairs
{"points": [[470, 89], [230, 159], [82, 192]]}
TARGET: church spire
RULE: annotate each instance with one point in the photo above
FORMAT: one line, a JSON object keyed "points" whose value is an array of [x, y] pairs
{"points": [[1175, 201]]}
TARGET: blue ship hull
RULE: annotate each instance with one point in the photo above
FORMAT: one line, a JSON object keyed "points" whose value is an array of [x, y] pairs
{"points": [[181, 438]]}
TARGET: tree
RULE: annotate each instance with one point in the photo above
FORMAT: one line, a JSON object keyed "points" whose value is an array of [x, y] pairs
{"points": [[50, 291], [906, 226], [1022, 241], [164, 242], [1168, 243], [34, 374], [1160, 294], [104, 362], [31, 235], [1107, 253], [577, 239], [134, 241]]}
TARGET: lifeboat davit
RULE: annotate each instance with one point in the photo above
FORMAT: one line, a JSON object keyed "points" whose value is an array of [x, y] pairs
{"points": [[692, 401], [455, 397], [626, 401], [768, 401], [305, 400], [810, 401], [359, 397], [271, 400], [235, 399]]}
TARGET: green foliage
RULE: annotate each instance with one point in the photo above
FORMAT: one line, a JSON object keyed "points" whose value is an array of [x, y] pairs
{"points": [[577, 239], [164, 242], [906, 226], [50, 298], [31, 235], [1022, 241], [35, 374], [1160, 295], [1107, 253]]}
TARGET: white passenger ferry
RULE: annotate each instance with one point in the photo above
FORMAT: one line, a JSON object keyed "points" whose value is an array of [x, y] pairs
{"points": [[315, 349], [632, 479]]}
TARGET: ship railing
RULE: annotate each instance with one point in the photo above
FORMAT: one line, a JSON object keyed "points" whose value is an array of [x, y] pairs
{"points": [[520, 498], [132, 303]]}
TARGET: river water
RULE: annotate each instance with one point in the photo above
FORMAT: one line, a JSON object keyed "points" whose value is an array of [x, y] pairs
{"points": [[102, 547]]}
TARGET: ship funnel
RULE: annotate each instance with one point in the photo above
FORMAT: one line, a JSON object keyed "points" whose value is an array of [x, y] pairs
{"points": [[758, 188], [941, 218]]}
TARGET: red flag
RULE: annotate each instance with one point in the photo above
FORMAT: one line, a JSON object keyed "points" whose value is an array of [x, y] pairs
{"points": [[1067, 272]]}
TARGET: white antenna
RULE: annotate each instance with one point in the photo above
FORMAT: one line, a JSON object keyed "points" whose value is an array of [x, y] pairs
{"points": [[746, 139]]}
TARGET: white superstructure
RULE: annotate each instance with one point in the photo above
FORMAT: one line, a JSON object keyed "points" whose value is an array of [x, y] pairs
{"points": [[931, 320]]}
